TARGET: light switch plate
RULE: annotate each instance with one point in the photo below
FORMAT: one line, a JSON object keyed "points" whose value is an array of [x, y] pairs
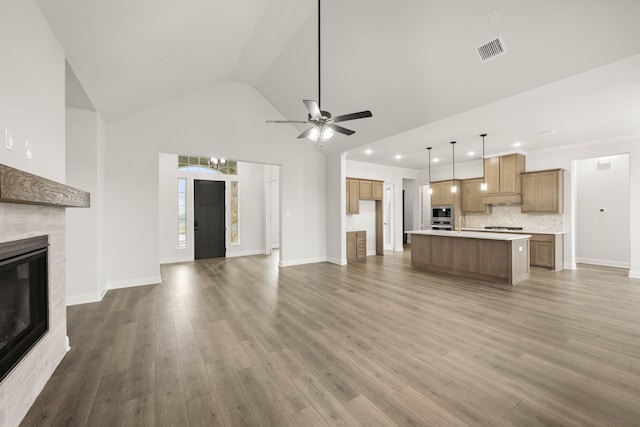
{"points": [[8, 139]]}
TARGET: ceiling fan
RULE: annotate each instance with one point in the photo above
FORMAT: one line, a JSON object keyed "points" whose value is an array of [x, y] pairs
{"points": [[323, 125]]}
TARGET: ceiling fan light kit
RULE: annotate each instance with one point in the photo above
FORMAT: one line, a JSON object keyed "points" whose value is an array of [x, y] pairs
{"points": [[323, 125]]}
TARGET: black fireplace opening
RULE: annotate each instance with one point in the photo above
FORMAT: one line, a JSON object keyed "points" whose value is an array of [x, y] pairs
{"points": [[24, 306]]}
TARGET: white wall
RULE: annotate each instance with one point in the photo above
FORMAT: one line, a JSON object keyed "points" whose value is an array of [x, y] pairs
{"points": [[336, 208], [603, 237], [32, 85], [227, 119], [32, 107], [410, 206], [365, 221], [388, 174], [251, 209], [85, 140]]}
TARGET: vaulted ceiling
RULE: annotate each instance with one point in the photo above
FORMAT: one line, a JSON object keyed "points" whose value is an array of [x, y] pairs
{"points": [[570, 66]]}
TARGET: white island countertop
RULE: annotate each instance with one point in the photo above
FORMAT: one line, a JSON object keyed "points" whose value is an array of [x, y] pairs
{"points": [[485, 230], [471, 234]]}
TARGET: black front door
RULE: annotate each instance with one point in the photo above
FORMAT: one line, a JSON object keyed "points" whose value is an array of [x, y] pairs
{"points": [[208, 219]]}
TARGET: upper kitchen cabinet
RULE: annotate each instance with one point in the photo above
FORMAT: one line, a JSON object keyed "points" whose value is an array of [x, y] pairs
{"points": [[442, 195], [361, 189], [472, 197], [353, 196], [502, 175], [365, 190], [376, 190], [542, 191]]}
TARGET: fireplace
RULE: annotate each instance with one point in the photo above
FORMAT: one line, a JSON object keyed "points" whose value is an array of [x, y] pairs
{"points": [[23, 298]]}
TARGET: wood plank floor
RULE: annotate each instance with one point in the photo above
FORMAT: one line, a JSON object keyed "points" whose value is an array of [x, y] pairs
{"points": [[232, 342]]}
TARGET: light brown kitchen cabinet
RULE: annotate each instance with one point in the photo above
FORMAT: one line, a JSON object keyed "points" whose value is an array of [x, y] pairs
{"points": [[442, 195], [365, 190], [356, 245], [471, 197], [542, 252], [361, 189], [353, 196], [376, 190], [503, 175], [546, 250], [542, 191]]}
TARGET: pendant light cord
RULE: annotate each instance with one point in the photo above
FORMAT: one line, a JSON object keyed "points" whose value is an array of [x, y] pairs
{"points": [[453, 156], [319, 69], [429, 150]]}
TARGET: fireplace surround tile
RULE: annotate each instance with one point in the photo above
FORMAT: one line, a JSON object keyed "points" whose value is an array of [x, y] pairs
{"points": [[24, 383]]}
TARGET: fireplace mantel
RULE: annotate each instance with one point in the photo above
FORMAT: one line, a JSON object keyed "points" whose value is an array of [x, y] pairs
{"points": [[21, 187]]}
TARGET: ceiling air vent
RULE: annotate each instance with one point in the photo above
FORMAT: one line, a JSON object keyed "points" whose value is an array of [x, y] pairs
{"points": [[491, 49]]}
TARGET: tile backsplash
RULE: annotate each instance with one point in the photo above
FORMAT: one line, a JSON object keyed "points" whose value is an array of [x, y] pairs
{"points": [[510, 216]]}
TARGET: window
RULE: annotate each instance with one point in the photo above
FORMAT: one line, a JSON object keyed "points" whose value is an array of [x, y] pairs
{"points": [[207, 165], [234, 212], [182, 212]]}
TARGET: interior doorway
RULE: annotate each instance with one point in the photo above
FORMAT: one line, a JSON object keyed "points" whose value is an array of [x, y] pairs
{"points": [[209, 219], [603, 211], [388, 217], [272, 216]]}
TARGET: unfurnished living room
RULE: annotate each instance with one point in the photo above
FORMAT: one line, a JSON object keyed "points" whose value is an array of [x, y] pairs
{"points": [[314, 212]]}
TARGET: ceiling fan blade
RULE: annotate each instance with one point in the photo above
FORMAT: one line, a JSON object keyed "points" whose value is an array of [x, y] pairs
{"points": [[306, 133], [340, 129], [314, 109], [285, 121], [352, 116]]}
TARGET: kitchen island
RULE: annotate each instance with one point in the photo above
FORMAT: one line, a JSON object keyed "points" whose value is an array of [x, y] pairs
{"points": [[494, 257]]}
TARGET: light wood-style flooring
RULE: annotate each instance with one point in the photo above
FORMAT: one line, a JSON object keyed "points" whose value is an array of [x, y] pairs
{"points": [[238, 341]]}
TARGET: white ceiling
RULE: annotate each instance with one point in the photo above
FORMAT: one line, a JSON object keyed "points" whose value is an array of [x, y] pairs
{"points": [[570, 65]]}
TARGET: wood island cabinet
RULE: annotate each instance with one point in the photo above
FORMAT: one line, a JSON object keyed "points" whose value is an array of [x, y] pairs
{"points": [[502, 175], [471, 196], [542, 191], [356, 245]]}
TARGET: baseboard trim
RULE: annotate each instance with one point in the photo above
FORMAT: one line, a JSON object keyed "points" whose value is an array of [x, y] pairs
{"points": [[603, 262], [291, 263], [633, 274], [176, 259], [85, 298], [570, 266], [245, 253], [337, 261], [132, 283]]}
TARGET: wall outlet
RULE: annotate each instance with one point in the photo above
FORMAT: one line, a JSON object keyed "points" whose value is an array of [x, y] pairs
{"points": [[27, 150], [8, 139]]}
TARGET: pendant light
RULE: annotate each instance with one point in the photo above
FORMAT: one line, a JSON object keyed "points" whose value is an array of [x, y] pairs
{"points": [[454, 187], [430, 190], [483, 186]]}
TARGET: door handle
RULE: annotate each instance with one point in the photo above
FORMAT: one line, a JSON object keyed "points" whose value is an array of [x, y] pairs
{"points": [[195, 224]]}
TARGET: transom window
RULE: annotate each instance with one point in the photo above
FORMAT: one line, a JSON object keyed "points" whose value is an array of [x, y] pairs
{"points": [[207, 165]]}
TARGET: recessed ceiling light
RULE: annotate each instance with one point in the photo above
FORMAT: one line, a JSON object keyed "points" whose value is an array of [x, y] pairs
{"points": [[398, 157], [368, 151], [517, 144], [436, 160], [472, 153]]}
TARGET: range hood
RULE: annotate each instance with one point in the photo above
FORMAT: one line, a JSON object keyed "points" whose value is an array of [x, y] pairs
{"points": [[502, 199]]}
